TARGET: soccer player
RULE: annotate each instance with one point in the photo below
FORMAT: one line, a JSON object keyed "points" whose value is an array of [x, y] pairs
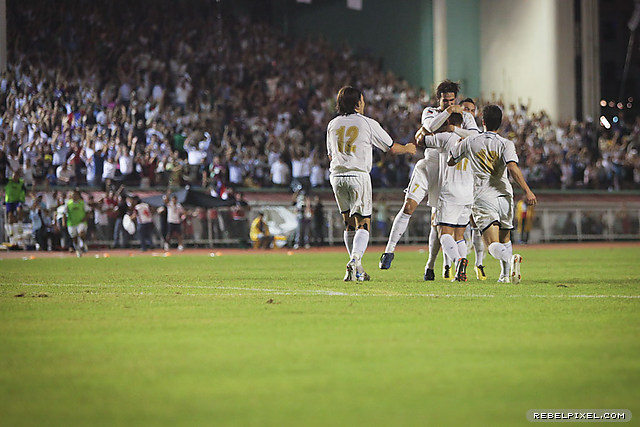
{"points": [[75, 218], [469, 106], [426, 176], [453, 208], [350, 138], [491, 156]]}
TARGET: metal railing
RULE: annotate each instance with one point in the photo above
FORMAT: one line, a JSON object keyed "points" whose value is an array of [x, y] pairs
{"points": [[552, 222]]}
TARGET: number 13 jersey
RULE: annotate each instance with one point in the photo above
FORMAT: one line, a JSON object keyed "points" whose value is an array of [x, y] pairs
{"points": [[349, 142]]}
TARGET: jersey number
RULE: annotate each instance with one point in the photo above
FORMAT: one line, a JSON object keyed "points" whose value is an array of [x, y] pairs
{"points": [[462, 164], [351, 134]]}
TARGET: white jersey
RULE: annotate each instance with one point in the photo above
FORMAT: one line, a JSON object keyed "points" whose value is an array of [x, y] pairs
{"points": [[174, 213], [457, 181], [433, 118], [349, 142], [488, 155], [434, 166]]}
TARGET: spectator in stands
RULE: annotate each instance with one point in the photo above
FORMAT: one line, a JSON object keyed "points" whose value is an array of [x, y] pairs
{"points": [[220, 78], [65, 175]]}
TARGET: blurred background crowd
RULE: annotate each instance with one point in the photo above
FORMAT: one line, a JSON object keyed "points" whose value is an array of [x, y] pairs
{"points": [[147, 94], [144, 94]]}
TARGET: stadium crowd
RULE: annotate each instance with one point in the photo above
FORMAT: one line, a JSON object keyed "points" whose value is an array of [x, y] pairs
{"points": [[156, 94]]}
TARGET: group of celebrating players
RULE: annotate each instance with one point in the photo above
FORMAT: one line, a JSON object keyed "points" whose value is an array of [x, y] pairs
{"points": [[463, 176]]}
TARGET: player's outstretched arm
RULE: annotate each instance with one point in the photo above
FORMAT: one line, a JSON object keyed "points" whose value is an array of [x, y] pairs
{"points": [[516, 173], [397, 149], [420, 134]]}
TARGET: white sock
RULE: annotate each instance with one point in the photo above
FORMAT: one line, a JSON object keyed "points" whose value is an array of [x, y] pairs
{"points": [[449, 247], [478, 245], [400, 223], [462, 248], [434, 247], [509, 247], [348, 240], [499, 251], [360, 242]]}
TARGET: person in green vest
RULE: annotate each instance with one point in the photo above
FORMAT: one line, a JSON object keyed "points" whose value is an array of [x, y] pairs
{"points": [[14, 195], [76, 221]]}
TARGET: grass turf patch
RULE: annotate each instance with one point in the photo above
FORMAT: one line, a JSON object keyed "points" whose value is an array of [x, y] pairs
{"points": [[271, 339]]}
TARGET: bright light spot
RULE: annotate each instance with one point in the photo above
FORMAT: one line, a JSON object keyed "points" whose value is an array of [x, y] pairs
{"points": [[620, 106], [603, 103], [604, 122], [629, 105], [630, 99], [615, 119], [612, 104]]}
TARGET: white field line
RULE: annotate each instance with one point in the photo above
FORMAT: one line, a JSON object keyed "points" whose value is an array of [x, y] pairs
{"points": [[311, 292]]}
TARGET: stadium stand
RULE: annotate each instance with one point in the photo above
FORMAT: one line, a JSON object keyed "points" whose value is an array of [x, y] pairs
{"points": [[150, 94]]}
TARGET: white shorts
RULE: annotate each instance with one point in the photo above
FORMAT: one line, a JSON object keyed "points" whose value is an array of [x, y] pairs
{"points": [[419, 183], [353, 192], [75, 230], [452, 215], [488, 211]]}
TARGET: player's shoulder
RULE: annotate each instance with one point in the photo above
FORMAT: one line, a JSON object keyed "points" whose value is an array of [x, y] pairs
{"points": [[431, 111]]}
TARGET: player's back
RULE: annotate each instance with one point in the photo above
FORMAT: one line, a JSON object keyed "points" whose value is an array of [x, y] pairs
{"points": [[488, 155], [456, 181], [350, 139]]}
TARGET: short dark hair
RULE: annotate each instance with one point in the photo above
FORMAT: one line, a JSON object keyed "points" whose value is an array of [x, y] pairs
{"points": [[455, 119], [492, 117], [347, 100], [470, 100], [446, 87]]}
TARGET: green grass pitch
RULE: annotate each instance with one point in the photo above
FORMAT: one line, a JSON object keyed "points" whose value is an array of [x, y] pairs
{"points": [[276, 340]]}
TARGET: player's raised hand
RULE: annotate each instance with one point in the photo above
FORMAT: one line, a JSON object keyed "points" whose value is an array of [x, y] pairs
{"points": [[454, 109]]}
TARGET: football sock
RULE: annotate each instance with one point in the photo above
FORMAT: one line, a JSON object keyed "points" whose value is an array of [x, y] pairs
{"points": [[398, 228], [499, 251], [478, 245], [434, 247], [348, 240], [449, 247], [509, 247], [360, 242], [462, 248]]}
